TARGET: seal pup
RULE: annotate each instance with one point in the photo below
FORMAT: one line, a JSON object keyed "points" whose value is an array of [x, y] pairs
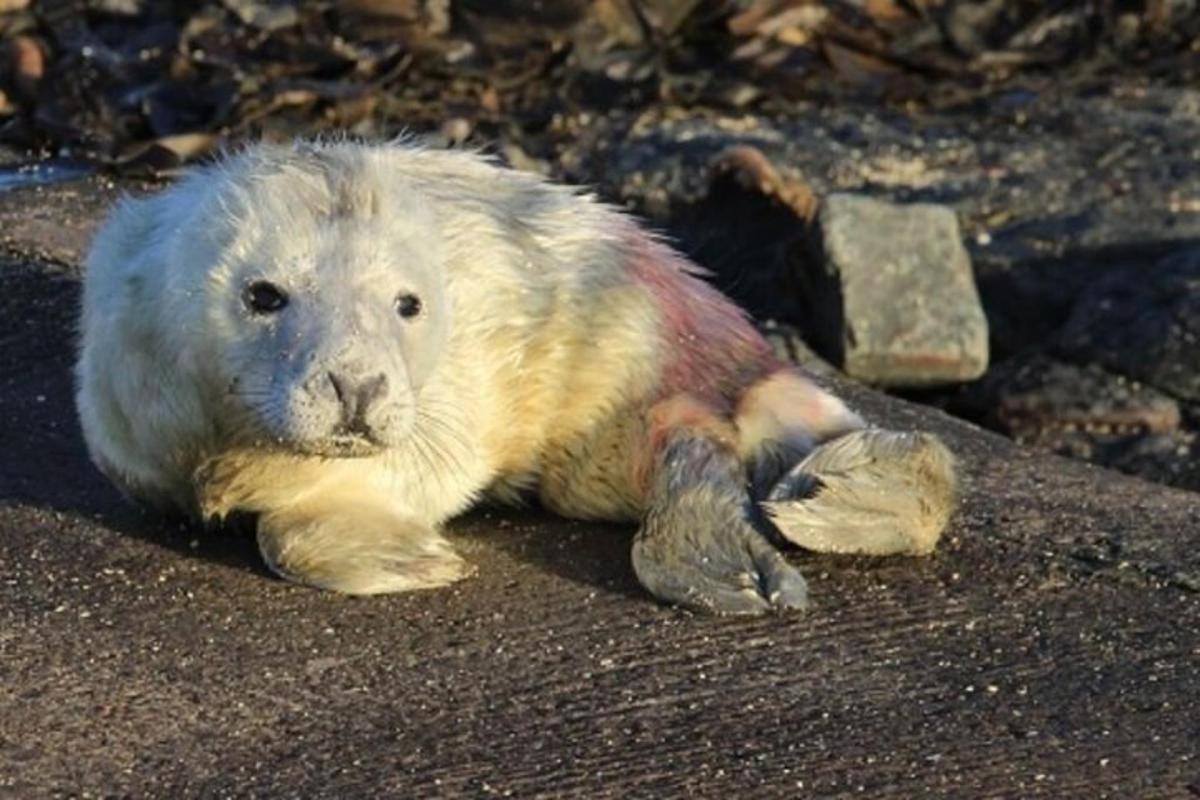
{"points": [[356, 342]]}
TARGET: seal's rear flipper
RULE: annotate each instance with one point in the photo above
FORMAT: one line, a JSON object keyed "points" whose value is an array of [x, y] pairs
{"points": [[700, 545], [873, 492]]}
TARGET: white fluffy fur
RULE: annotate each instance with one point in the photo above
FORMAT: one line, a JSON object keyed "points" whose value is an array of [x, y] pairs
{"points": [[533, 365], [533, 353]]}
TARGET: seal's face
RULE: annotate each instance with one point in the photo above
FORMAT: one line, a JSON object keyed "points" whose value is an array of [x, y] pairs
{"points": [[332, 313]]}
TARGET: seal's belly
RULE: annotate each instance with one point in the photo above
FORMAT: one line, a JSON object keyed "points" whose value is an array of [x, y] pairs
{"points": [[593, 474]]}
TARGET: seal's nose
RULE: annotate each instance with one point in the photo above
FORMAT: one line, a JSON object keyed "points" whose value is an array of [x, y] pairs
{"points": [[356, 396]]}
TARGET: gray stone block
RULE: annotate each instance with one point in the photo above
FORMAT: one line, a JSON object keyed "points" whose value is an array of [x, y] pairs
{"points": [[891, 294]]}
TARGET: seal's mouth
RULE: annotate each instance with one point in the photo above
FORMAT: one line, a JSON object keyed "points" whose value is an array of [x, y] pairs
{"points": [[340, 445], [345, 444]]}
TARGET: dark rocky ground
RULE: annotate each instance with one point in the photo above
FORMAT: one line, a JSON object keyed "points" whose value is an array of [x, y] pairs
{"points": [[1051, 648]]}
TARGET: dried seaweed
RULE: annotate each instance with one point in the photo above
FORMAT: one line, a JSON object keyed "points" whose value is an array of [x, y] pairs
{"points": [[117, 80]]}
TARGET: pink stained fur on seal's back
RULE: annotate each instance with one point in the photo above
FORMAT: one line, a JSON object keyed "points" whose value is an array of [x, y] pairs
{"points": [[714, 351]]}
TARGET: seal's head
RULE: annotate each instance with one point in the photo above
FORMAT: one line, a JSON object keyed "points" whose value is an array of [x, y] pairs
{"points": [[325, 303], [288, 298]]}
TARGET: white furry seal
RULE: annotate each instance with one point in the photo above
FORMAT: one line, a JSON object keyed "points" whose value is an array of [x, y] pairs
{"points": [[356, 342]]}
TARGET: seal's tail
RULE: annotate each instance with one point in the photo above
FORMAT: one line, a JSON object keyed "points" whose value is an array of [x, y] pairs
{"points": [[870, 491]]}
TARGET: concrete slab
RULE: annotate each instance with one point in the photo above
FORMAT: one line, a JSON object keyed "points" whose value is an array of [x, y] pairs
{"points": [[1050, 649]]}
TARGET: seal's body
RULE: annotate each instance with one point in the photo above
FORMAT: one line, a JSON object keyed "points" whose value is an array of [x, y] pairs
{"points": [[357, 342]]}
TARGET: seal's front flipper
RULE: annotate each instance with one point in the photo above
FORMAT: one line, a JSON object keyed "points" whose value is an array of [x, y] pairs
{"points": [[873, 492], [356, 547], [700, 544]]}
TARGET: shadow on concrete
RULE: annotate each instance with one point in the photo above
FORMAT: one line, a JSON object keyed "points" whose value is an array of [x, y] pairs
{"points": [[587, 553]]}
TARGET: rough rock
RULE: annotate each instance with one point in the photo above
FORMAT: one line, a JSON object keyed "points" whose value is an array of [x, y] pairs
{"points": [[1144, 323], [1029, 396], [1085, 412], [891, 294], [1172, 459]]}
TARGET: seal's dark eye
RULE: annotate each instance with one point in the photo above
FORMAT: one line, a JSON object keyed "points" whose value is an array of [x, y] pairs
{"points": [[263, 297], [408, 305]]}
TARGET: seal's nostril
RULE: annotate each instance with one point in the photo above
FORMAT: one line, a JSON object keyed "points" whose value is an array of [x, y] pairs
{"points": [[372, 389], [339, 387]]}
